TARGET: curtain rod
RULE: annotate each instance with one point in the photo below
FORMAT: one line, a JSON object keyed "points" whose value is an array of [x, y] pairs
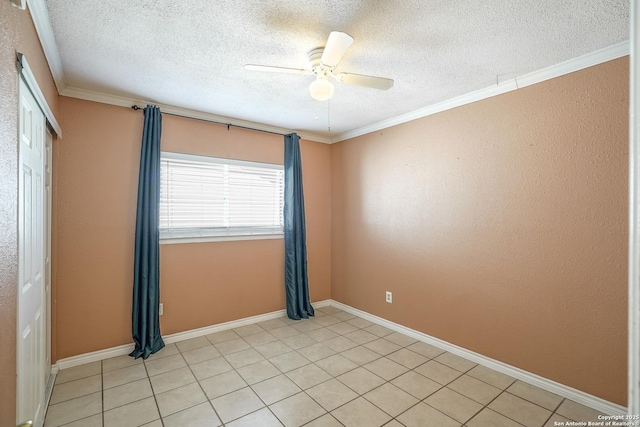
{"points": [[228, 125]]}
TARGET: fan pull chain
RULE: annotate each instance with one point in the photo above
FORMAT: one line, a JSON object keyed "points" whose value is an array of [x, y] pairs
{"points": [[329, 116]]}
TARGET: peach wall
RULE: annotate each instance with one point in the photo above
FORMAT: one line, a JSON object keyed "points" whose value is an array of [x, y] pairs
{"points": [[17, 34], [499, 226], [201, 284]]}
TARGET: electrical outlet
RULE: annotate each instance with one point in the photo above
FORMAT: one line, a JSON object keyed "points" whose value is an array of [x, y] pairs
{"points": [[161, 309], [389, 297]]}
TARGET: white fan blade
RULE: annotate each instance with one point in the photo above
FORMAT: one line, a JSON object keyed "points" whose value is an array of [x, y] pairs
{"points": [[362, 80], [252, 67], [337, 45]]}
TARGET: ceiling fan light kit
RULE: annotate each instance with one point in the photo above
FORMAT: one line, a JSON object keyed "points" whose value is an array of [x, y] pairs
{"points": [[321, 89], [322, 62]]}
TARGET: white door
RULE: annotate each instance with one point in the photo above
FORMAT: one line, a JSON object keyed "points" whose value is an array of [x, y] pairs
{"points": [[31, 327]]}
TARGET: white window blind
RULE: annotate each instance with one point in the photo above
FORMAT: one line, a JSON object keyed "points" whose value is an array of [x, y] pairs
{"points": [[210, 197]]}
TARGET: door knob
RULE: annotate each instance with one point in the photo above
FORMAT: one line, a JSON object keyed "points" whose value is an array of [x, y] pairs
{"points": [[26, 424]]}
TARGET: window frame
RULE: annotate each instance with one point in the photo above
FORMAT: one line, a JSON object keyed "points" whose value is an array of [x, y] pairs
{"points": [[214, 234]]}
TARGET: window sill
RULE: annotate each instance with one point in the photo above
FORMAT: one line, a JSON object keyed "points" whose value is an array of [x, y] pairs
{"points": [[182, 240]]}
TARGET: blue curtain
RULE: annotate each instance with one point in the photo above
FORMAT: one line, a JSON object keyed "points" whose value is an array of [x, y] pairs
{"points": [[146, 279], [295, 240]]}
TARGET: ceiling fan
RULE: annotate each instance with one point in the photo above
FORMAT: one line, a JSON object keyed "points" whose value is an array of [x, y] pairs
{"points": [[323, 62]]}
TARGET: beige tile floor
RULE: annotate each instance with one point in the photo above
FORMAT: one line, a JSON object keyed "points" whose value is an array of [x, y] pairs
{"points": [[332, 370]]}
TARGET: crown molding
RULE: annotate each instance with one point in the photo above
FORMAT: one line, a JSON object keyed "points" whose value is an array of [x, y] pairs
{"points": [[123, 101], [612, 52], [40, 17]]}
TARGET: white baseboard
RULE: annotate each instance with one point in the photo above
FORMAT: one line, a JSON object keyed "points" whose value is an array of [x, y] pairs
{"points": [[121, 350], [578, 396], [551, 386]]}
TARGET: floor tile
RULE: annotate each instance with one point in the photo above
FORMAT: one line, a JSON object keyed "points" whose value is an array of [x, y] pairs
{"points": [[260, 338], [492, 377], [222, 336], [77, 388], [92, 421], [340, 344], [273, 349], [262, 418], [236, 404], [126, 393], [299, 341], [123, 376], [316, 352], [359, 322], [297, 410], [289, 361], [245, 331], [377, 330], [438, 372], [267, 325], [327, 321], [133, 414], [360, 380], [386, 368], [361, 355], [360, 413], [361, 337], [489, 418], [306, 325], [322, 334], [192, 343], [210, 368], [423, 415], [201, 354], [156, 423], [342, 328], [180, 398], [331, 394], [75, 409], [326, 420], [308, 376], [118, 362], [577, 412], [456, 362], [222, 384], [336, 365], [284, 332], [475, 389], [391, 399], [330, 309], [453, 404], [78, 372], [417, 385], [520, 410], [243, 358], [400, 339], [259, 371], [426, 350], [393, 423], [556, 421], [166, 364], [344, 316], [535, 395], [275, 389], [407, 358], [232, 346], [382, 346], [172, 379], [196, 416]]}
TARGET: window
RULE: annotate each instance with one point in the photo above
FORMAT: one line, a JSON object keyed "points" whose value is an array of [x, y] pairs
{"points": [[210, 197]]}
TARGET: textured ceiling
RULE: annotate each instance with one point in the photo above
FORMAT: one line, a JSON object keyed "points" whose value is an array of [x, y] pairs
{"points": [[191, 54]]}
